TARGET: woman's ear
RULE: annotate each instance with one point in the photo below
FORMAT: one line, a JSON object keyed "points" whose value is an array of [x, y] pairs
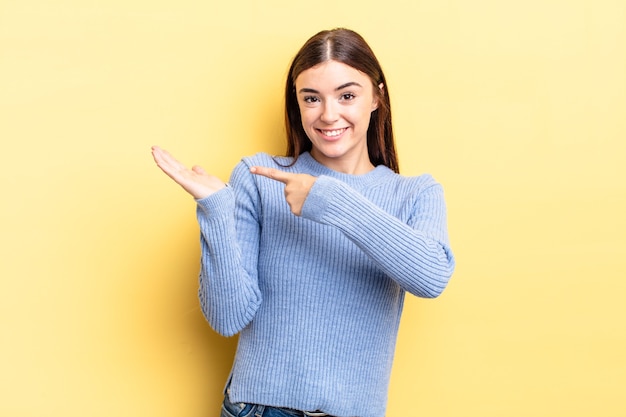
{"points": [[375, 102]]}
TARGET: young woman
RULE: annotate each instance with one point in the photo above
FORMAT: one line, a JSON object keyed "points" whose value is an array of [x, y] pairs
{"points": [[308, 257]]}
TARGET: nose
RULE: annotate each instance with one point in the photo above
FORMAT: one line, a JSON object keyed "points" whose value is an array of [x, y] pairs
{"points": [[329, 112]]}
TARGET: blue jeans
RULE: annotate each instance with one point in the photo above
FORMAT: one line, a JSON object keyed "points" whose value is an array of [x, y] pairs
{"points": [[253, 410]]}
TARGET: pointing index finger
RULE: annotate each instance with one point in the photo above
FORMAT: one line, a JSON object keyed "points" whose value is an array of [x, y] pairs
{"points": [[272, 173]]}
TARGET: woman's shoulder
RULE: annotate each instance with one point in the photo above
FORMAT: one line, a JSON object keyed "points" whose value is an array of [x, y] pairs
{"points": [[422, 180], [412, 184], [418, 179]]}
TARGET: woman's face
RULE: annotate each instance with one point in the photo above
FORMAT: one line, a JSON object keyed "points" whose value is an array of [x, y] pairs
{"points": [[336, 102]]}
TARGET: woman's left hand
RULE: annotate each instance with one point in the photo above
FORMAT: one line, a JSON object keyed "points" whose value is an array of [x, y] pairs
{"points": [[297, 186]]}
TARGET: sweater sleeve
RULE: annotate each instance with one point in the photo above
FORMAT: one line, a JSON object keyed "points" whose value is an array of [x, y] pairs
{"points": [[416, 254], [229, 292]]}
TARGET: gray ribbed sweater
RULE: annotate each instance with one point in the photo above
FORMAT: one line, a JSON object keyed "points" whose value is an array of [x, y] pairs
{"points": [[317, 299]]}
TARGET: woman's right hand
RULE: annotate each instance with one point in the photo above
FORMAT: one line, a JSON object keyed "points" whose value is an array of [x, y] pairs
{"points": [[196, 181]]}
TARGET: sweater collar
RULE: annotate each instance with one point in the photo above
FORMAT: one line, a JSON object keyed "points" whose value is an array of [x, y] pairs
{"points": [[306, 163]]}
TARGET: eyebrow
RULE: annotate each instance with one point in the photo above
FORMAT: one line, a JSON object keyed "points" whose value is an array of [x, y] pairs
{"points": [[341, 87]]}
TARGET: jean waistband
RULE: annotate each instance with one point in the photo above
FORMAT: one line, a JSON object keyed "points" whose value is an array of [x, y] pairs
{"points": [[301, 412], [315, 414], [290, 411]]}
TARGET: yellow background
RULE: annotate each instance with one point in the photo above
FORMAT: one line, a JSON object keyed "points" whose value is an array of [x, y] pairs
{"points": [[517, 107]]}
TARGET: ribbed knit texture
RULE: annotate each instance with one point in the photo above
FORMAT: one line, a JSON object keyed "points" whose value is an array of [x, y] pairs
{"points": [[317, 299]]}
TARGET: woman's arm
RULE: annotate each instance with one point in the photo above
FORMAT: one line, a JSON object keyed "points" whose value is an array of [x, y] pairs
{"points": [[415, 254], [229, 292]]}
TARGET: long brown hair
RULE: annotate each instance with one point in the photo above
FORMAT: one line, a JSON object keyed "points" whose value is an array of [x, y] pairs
{"points": [[347, 47]]}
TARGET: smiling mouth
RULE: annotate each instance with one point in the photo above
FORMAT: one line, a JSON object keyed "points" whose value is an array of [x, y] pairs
{"points": [[333, 133]]}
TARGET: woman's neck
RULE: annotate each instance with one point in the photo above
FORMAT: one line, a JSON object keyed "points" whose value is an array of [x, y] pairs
{"points": [[354, 165]]}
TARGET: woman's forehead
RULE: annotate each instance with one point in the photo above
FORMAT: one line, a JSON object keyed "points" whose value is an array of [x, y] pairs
{"points": [[332, 74]]}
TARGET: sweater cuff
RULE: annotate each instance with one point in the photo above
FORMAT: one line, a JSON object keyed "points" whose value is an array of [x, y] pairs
{"points": [[317, 202], [222, 201]]}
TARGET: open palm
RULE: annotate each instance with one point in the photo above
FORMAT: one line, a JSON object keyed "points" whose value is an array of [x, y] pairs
{"points": [[196, 181]]}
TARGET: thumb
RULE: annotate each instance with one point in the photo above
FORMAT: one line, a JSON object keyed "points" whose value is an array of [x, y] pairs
{"points": [[199, 170]]}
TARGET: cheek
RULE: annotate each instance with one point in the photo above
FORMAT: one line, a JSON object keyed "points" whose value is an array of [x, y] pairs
{"points": [[307, 116], [361, 116]]}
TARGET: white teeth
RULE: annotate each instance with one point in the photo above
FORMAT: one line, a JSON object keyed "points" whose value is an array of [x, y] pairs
{"points": [[333, 132]]}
